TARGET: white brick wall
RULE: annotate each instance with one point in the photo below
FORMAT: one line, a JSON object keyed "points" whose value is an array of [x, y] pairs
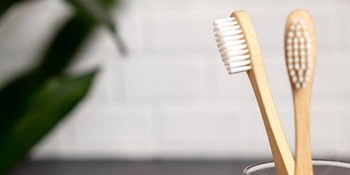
{"points": [[171, 97]]}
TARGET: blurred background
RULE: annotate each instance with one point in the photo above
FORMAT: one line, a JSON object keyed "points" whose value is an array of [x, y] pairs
{"points": [[169, 97]]}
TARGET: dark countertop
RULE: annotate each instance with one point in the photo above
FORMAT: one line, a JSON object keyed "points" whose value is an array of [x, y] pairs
{"points": [[210, 167]]}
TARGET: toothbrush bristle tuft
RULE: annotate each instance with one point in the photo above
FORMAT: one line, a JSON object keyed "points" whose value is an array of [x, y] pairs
{"points": [[298, 50], [232, 45]]}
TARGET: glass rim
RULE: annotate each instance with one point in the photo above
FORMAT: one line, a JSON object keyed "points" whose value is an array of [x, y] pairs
{"points": [[320, 162]]}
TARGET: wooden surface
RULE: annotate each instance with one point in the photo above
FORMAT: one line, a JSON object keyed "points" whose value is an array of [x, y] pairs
{"points": [[219, 167], [301, 99], [280, 149]]}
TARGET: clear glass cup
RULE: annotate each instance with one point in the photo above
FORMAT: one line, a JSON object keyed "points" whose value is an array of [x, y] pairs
{"points": [[321, 167]]}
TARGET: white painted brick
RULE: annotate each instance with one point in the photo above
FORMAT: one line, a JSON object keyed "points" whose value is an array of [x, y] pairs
{"points": [[344, 29], [325, 126], [328, 125], [135, 28], [171, 31], [157, 78], [112, 129], [212, 127], [331, 73], [269, 27], [254, 130], [107, 85], [103, 131], [277, 74], [230, 86], [171, 96], [328, 132], [203, 123], [327, 35]]}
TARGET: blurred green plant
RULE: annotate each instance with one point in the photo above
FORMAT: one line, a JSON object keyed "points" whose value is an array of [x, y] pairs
{"points": [[34, 102]]}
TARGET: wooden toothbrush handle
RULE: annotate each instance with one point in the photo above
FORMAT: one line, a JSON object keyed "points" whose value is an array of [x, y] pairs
{"points": [[303, 156], [281, 153]]}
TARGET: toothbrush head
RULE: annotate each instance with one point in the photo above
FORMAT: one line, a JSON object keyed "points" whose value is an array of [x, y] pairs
{"points": [[300, 48], [232, 45]]}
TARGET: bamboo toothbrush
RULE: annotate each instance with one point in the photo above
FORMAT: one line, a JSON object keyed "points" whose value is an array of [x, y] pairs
{"points": [[240, 52], [300, 53]]}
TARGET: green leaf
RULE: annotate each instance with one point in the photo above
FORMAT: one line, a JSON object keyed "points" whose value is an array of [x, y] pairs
{"points": [[92, 10], [54, 61], [33, 103], [65, 46], [97, 10], [41, 111], [108, 3], [11, 99]]}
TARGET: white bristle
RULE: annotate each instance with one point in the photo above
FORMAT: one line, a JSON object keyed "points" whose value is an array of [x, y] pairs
{"points": [[229, 38], [295, 21], [228, 32], [233, 53], [236, 58], [232, 45], [296, 53], [299, 53], [298, 27], [239, 69], [231, 42], [238, 64], [292, 27], [291, 34], [290, 67], [226, 24], [303, 66], [296, 61], [300, 72], [292, 73], [224, 20], [298, 33], [301, 79], [295, 40]]}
